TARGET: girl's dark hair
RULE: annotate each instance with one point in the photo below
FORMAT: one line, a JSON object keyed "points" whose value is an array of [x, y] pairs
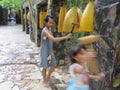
{"points": [[75, 50], [47, 18]]}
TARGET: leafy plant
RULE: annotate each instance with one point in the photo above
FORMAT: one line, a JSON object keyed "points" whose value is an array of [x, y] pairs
{"points": [[79, 3], [14, 4]]}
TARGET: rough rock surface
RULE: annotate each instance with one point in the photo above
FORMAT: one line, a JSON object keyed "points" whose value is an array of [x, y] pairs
{"points": [[107, 25]]}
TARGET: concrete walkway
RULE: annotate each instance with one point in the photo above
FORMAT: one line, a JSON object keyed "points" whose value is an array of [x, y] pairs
{"points": [[13, 34], [19, 58], [19, 61]]}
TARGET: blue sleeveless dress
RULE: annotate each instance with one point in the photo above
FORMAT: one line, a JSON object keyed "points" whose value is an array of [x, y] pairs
{"points": [[46, 50]]}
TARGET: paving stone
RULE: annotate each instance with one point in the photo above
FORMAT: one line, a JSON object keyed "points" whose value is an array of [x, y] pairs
{"points": [[23, 83], [39, 86], [5, 50], [23, 89], [17, 70], [6, 85], [35, 75], [2, 78], [29, 50], [15, 88], [18, 77]]}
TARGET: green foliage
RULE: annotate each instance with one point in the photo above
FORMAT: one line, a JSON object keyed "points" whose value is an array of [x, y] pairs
{"points": [[14, 4], [79, 3]]}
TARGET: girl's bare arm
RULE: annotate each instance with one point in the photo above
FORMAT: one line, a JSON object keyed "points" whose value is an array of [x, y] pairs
{"points": [[79, 69], [98, 77], [56, 39]]}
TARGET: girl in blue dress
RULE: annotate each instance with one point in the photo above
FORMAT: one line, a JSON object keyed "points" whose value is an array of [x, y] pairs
{"points": [[78, 70], [47, 57]]}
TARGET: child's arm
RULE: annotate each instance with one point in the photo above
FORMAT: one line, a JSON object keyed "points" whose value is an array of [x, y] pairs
{"points": [[78, 69], [57, 39], [98, 77]]}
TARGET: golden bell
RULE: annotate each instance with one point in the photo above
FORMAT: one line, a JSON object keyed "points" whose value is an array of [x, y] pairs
{"points": [[72, 16], [41, 18], [61, 18], [86, 23], [88, 39], [28, 15]]}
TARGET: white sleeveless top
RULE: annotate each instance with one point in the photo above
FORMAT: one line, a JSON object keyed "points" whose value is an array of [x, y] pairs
{"points": [[79, 79]]}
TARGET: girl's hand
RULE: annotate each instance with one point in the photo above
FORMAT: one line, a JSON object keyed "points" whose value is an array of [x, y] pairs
{"points": [[90, 53], [68, 36], [97, 77], [101, 76]]}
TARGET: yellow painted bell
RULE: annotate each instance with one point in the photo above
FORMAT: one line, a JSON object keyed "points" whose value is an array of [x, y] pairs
{"points": [[86, 23], [24, 16], [93, 65], [28, 15], [41, 18], [88, 39], [61, 18], [72, 16]]}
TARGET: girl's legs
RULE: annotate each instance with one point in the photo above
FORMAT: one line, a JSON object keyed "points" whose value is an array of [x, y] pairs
{"points": [[44, 75], [50, 72]]}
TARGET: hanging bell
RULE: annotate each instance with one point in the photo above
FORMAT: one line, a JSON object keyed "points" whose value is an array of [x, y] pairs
{"points": [[86, 23], [72, 16]]}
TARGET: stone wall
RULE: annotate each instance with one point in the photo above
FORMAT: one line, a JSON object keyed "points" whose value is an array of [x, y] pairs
{"points": [[107, 24]]}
